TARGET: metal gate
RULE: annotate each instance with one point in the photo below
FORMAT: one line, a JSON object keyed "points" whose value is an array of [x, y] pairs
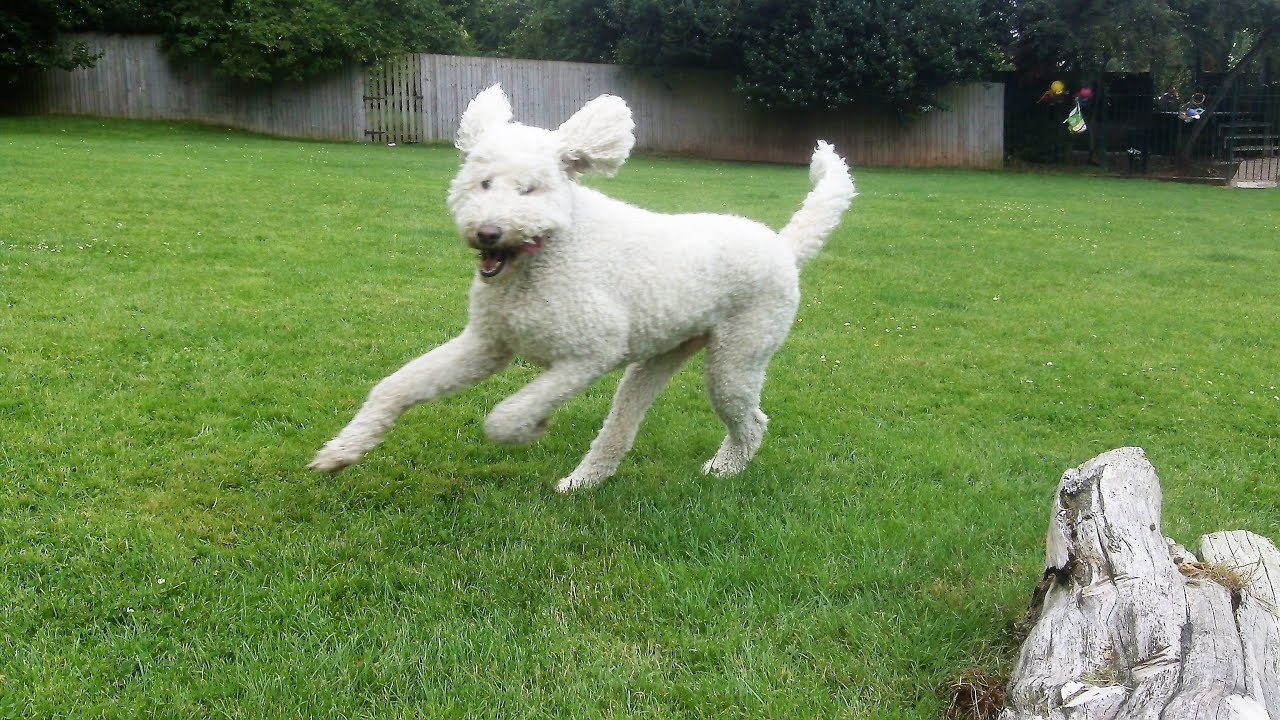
{"points": [[1238, 143], [1252, 135], [393, 101]]}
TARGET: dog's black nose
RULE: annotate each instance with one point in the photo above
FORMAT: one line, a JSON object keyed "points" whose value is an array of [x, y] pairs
{"points": [[488, 235]]}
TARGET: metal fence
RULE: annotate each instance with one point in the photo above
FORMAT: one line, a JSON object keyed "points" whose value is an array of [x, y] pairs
{"points": [[1251, 137], [419, 99], [1134, 127]]}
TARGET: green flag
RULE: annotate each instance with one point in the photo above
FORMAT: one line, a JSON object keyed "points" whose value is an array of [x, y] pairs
{"points": [[1075, 121]]}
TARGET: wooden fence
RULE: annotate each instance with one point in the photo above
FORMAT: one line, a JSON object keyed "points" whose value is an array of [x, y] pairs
{"points": [[419, 98], [135, 79], [696, 113], [393, 105]]}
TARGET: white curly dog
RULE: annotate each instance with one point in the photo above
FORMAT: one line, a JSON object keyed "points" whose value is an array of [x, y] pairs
{"points": [[582, 284]]}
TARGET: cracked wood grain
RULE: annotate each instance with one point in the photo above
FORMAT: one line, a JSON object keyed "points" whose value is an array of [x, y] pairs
{"points": [[1127, 625]]}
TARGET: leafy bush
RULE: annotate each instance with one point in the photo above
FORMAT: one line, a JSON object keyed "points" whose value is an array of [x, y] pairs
{"points": [[837, 53], [785, 53], [294, 39]]}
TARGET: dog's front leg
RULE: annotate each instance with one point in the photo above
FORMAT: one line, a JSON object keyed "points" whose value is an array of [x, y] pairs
{"points": [[457, 364], [523, 417]]}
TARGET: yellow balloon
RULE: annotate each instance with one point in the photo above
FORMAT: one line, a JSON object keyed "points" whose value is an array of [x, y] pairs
{"points": [[1058, 87]]}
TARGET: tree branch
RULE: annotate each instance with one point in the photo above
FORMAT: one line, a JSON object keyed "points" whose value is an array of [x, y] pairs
{"points": [[1264, 41]]}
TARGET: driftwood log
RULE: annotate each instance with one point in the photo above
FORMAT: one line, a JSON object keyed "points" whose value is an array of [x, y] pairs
{"points": [[1127, 625]]}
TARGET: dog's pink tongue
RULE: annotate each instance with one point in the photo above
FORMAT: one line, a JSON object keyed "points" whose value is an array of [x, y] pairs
{"points": [[490, 264]]}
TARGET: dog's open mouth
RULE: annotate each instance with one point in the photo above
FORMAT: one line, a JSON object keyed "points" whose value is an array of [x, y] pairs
{"points": [[493, 261]]}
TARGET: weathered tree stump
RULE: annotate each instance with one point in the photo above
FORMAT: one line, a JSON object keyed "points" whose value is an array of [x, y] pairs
{"points": [[1128, 625]]}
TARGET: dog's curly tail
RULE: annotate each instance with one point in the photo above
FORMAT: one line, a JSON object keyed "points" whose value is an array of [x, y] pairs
{"points": [[832, 192]]}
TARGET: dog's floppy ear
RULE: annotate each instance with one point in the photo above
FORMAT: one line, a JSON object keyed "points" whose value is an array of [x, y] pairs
{"points": [[598, 138], [489, 109]]}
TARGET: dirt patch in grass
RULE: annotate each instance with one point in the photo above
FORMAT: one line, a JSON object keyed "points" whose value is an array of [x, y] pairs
{"points": [[974, 694]]}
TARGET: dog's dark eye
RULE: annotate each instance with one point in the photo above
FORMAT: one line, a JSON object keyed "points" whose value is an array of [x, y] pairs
{"points": [[526, 189], [486, 183]]}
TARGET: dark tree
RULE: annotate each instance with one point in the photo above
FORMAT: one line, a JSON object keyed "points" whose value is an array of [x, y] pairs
{"points": [[1246, 29], [837, 53], [1094, 36], [785, 53], [31, 37]]}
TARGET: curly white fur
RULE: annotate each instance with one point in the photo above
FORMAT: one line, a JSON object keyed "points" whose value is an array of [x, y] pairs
{"points": [[582, 284]]}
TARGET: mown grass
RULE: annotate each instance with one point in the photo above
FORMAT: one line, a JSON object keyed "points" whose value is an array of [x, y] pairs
{"points": [[187, 313]]}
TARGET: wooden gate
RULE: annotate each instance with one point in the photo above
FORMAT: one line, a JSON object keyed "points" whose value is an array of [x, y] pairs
{"points": [[393, 101]]}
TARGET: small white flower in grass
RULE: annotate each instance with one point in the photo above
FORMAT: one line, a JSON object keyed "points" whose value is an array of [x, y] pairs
{"points": [[159, 581]]}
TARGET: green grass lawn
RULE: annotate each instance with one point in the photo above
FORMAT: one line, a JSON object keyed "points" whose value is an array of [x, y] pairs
{"points": [[186, 314]]}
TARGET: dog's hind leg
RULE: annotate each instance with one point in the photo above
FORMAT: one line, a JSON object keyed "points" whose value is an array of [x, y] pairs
{"points": [[637, 390], [735, 366], [459, 363]]}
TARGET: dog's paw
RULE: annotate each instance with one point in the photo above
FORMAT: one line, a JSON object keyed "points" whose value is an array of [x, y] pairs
{"points": [[734, 456], [333, 458], [578, 481], [727, 461], [719, 468], [509, 429]]}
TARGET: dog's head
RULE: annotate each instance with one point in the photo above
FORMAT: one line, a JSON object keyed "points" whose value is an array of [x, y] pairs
{"points": [[513, 193]]}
